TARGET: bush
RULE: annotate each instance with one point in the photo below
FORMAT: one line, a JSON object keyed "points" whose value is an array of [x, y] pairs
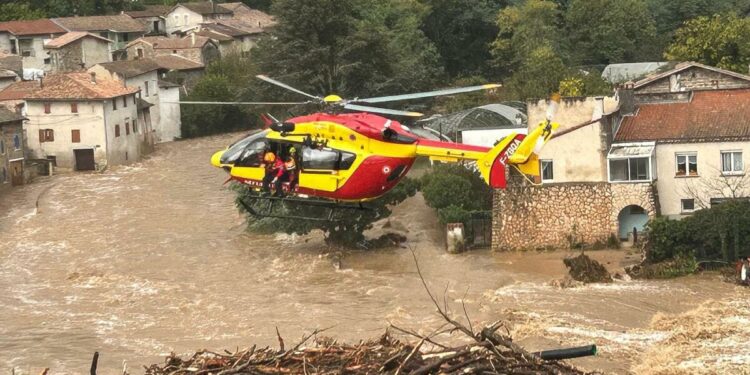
{"points": [[721, 232], [456, 185], [201, 120]]}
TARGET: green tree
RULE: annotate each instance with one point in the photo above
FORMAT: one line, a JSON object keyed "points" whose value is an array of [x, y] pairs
{"points": [[671, 14], [721, 40], [20, 11], [345, 230], [539, 75], [455, 191], [462, 31], [610, 31], [200, 120]]}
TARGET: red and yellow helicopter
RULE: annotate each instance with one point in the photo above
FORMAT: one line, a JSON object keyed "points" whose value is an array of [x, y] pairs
{"points": [[357, 157]]}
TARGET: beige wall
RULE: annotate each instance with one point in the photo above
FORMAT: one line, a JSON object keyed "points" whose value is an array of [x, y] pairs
{"points": [[578, 156], [168, 128], [175, 20], [95, 51], [125, 148], [709, 184]]}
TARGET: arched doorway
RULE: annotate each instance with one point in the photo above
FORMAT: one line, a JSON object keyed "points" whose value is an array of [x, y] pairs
{"points": [[630, 217]]}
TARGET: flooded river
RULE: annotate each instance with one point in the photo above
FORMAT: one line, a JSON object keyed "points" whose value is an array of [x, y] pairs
{"points": [[151, 258]]}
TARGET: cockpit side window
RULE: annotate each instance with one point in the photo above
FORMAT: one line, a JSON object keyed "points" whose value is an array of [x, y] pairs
{"points": [[326, 159], [252, 155], [235, 151]]}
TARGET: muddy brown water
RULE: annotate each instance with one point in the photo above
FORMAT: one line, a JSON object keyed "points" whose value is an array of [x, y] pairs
{"points": [[151, 258]]}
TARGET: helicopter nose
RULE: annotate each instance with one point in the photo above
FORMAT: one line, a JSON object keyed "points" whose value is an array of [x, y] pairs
{"points": [[216, 158]]}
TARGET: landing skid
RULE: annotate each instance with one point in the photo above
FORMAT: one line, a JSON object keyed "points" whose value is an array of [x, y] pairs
{"points": [[267, 211]]}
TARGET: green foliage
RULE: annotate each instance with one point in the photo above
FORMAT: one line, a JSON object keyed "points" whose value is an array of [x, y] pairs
{"points": [[609, 31], [721, 40], [671, 14], [19, 11], [721, 232], [680, 265], [539, 75], [347, 232], [584, 84], [455, 191], [200, 120], [461, 31]]}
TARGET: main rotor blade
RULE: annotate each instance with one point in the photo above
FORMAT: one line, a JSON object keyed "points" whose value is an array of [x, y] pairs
{"points": [[427, 94], [284, 85], [384, 111], [241, 103]]}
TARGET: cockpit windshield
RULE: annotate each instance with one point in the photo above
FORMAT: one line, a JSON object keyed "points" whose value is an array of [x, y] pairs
{"points": [[234, 152]]}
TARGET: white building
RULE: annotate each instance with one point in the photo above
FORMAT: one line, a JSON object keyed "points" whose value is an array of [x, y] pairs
{"points": [[188, 16], [83, 123]]}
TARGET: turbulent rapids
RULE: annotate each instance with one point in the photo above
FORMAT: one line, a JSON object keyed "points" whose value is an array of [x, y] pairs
{"points": [[145, 260]]}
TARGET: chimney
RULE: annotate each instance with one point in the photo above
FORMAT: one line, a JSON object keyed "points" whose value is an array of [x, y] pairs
{"points": [[41, 82], [626, 96], [93, 77]]}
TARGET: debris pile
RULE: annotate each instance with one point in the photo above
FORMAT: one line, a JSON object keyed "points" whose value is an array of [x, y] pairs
{"points": [[386, 355], [584, 269]]}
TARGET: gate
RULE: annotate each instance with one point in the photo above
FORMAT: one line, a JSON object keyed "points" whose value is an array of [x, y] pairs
{"points": [[84, 160], [479, 229]]}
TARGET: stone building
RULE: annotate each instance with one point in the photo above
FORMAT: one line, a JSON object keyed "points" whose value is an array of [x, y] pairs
{"points": [[194, 47], [82, 122], [120, 29], [11, 149], [27, 39], [153, 18], [676, 132], [78, 50], [187, 16], [180, 70]]}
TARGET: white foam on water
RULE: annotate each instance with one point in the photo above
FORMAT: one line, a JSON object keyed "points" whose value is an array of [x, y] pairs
{"points": [[629, 338]]}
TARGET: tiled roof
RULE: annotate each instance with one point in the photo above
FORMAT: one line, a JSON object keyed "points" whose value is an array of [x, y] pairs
{"points": [[236, 27], [205, 7], [150, 11], [175, 62], [253, 17], [7, 115], [167, 84], [131, 68], [214, 35], [31, 27], [709, 115], [18, 90], [162, 42], [79, 86], [71, 37], [117, 23], [5, 73], [686, 65]]}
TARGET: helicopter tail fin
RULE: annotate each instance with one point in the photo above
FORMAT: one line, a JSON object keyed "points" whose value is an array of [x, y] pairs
{"points": [[493, 165]]}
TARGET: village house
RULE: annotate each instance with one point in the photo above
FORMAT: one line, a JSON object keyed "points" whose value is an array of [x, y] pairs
{"points": [[180, 70], [666, 145], [27, 39], [143, 73], [78, 50], [185, 17], [153, 18], [248, 16], [81, 122], [194, 47], [232, 36], [11, 149], [119, 29]]}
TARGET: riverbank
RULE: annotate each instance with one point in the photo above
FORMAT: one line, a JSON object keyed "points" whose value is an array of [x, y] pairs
{"points": [[152, 258]]}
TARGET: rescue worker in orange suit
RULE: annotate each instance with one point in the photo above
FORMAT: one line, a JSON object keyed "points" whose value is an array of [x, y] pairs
{"points": [[287, 173], [271, 166]]}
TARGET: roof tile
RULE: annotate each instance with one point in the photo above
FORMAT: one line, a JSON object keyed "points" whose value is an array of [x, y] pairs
{"points": [[18, 90], [709, 115], [31, 27], [131, 68], [116, 23], [175, 62], [71, 37], [79, 86]]}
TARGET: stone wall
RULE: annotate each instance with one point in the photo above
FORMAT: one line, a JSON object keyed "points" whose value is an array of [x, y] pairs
{"points": [[558, 215]]}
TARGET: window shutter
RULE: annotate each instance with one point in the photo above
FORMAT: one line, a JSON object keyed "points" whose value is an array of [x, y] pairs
{"points": [[73, 107], [75, 135], [47, 107], [50, 135], [41, 135]]}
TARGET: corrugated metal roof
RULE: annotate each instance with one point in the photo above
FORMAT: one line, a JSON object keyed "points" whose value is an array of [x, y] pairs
{"points": [[620, 151], [491, 116], [618, 73]]}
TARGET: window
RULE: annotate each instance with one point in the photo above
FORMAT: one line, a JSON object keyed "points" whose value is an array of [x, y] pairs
{"points": [[114, 104], [546, 170], [187, 19], [4, 176], [125, 37], [124, 102], [2, 147], [135, 100], [127, 128], [47, 107], [117, 130], [688, 205], [156, 27], [17, 141], [731, 162], [176, 20], [250, 156], [145, 85], [46, 135], [47, 60], [632, 169], [135, 126], [687, 164], [75, 136], [326, 158], [139, 52], [73, 107]]}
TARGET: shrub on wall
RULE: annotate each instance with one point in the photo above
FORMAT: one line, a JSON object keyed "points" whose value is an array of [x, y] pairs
{"points": [[455, 191]]}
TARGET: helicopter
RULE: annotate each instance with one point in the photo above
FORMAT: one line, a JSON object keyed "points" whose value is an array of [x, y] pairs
{"points": [[346, 159]]}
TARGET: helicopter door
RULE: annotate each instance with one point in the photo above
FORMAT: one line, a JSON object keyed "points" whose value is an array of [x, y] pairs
{"points": [[319, 169]]}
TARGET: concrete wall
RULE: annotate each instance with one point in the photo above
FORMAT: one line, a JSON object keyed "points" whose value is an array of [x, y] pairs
{"points": [[89, 120], [693, 78], [579, 156], [37, 51], [168, 128], [81, 54], [708, 184], [204, 55], [5, 44], [8, 151], [125, 148], [558, 215]]}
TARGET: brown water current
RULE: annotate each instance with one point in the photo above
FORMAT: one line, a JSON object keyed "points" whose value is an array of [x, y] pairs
{"points": [[146, 259]]}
